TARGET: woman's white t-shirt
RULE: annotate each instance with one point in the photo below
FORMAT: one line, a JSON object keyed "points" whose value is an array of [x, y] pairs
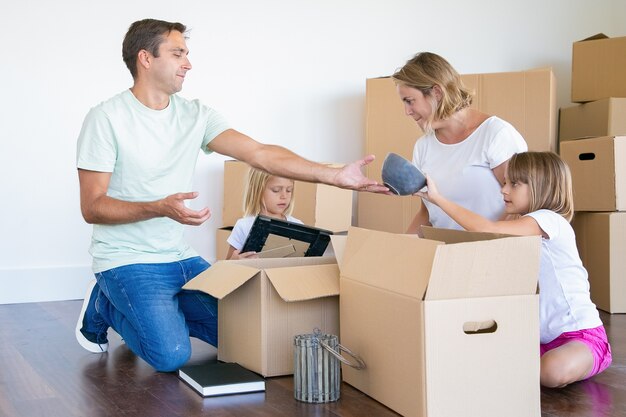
{"points": [[463, 171], [564, 301], [242, 228]]}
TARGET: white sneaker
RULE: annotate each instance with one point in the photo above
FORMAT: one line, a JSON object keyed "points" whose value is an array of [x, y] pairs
{"points": [[93, 342]]}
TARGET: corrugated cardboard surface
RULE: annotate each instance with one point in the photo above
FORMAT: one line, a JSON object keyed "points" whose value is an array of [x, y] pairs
{"points": [[317, 205], [452, 276], [526, 99], [458, 236], [601, 240], [235, 176], [387, 213], [483, 374], [606, 117], [221, 243], [529, 104], [256, 325], [386, 321], [598, 168], [598, 65]]}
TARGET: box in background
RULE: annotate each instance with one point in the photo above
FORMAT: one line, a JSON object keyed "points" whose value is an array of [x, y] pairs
{"points": [[606, 117], [319, 205], [221, 242], [598, 68], [444, 329], [387, 213], [264, 303], [529, 105], [601, 240], [598, 168]]}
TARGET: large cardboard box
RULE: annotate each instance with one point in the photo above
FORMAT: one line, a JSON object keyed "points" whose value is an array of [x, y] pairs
{"points": [[317, 205], [598, 168], [444, 329], [601, 240], [598, 64], [528, 103], [264, 303], [606, 117], [387, 213]]}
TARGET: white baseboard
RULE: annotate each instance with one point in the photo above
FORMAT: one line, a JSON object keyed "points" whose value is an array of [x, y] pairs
{"points": [[29, 285]]}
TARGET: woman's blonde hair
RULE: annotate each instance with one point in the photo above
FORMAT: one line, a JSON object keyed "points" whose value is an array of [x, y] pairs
{"points": [[255, 186], [426, 70], [548, 178]]}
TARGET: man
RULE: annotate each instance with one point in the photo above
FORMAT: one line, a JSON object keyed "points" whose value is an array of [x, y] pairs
{"points": [[136, 156]]}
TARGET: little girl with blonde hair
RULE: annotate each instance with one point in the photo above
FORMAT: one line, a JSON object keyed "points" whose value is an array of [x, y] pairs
{"points": [[538, 190], [266, 195]]}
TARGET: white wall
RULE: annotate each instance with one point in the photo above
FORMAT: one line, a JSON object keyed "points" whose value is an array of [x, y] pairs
{"points": [[286, 72]]}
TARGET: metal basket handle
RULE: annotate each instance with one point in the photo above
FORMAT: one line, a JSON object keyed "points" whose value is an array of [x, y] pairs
{"points": [[360, 363]]}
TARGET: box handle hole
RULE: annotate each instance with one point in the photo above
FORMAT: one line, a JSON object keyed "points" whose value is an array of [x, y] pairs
{"points": [[480, 327], [587, 156]]}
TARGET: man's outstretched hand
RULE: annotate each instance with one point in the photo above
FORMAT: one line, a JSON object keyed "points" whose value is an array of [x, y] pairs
{"points": [[351, 177]]}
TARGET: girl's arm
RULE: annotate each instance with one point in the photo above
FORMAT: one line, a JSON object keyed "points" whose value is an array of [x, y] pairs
{"points": [[234, 254], [524, 226]]}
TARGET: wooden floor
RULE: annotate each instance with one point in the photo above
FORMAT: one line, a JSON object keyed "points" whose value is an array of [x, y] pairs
{"points": [[44, 372]]}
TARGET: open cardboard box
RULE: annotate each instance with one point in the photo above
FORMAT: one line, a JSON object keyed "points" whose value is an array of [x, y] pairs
{"points": [[264, 303], [444, 329]]}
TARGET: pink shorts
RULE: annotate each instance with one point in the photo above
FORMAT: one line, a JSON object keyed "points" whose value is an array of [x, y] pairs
{"points": [[595, 339]]}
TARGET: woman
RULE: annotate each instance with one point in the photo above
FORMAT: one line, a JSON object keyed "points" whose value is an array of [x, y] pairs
{"points": [[464, 150]]}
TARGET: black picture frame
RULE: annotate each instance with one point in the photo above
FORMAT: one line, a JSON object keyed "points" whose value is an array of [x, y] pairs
{"points": [[263, 227]]}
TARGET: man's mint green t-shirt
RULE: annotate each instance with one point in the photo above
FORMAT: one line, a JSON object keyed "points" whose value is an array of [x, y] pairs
{"points": [[151, 154]]}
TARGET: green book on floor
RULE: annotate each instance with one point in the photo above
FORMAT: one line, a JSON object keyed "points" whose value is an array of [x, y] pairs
{"points": [[221, 378]]}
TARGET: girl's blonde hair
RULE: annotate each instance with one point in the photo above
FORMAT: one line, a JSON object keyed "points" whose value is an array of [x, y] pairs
{"points": [[255, 186], [548, 178], [424, 71]]}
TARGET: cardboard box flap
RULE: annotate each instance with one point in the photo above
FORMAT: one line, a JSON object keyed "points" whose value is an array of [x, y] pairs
{"points": [[222, 278], [339, 247], [457, 236], [488, 268], [405, 261], [305, 282], [595, 37]]}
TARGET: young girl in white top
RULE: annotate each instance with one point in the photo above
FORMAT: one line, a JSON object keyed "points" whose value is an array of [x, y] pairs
{"points": [[538, 188], [267, 195]]}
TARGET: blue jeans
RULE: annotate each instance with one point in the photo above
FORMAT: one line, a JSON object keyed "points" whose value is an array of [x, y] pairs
{"points": [[145, 304]]}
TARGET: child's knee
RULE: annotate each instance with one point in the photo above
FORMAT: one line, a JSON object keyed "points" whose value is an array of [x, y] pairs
{"points": [[557, 373]]}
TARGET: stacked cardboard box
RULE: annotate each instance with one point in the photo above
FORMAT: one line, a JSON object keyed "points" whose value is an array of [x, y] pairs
{"points": [[526, 99], [316, 205], [593, 142]]}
